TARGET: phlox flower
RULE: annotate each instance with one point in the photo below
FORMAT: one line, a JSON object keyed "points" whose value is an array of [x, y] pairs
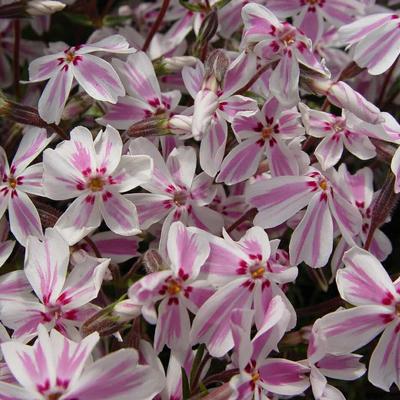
{"points": [[280, 43], [248, 274], [374, 41], [19, 179], [277, 199], [144, 98], [56, 368], [95, 75], [260, 376], [359, 189], [366, 284], [346, 367], [62, 299], [313, 16], [215, 103], [95, 172], [176, 193], [262, 133], [177, 288]]}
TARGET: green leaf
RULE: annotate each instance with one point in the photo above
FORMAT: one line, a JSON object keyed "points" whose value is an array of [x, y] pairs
{"points": [[79, 19], [185, 385], [196, 363]]}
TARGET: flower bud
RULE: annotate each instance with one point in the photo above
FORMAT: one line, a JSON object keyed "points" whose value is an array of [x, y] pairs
{"points": [[208, 28], [171, 65], [153, 261], [152, 126], [180, 124], [43, 7], [215, 69], [77, 106], [126, 310]]}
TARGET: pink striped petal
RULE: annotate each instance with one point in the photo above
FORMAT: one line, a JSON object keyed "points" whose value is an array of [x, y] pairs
{"points": [[118, 376], [118, 248], [55, 95], [203, 191], [281, 158], [205, 218], [32, 180], [119, 214], [229, 107], [240, 70], [364, 280], [32, 366], [346, 367], [348, 330], [277, 199], [187, 251], [329, 150], [242, 162], [81, 218], [212, 147], [383, 368], [212, 322], [126, 112], [108, 148], [138, 76], [284, 377], [173, 327], [46, 264], [24, 218], [45, 67], [161, 179], [193, 78], [285, 80], [181, 164], [32, 144], [111, 44], [312, 239], [346, 216], [206, 103], [98, 79], [83, 282], [151, 208], [395, 167], [13, 285]]}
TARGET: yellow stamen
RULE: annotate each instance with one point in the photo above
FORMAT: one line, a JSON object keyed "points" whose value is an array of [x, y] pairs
{"points": [[96, 184]]}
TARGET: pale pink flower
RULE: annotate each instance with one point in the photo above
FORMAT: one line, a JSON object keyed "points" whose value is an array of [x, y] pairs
{"points": [[6, 246], [345, 367], [280, 43], [277, 199], [95, 75], [395, 167], [178, 290], [267, 133], [359, 189], [337, 132], [313, 16], [366, 284], [58, 368], [96, 173], [176, 193], [248, 274], [144, 97], [215, 103], [19, 179], [259, 377], [374, 41], [63, 299]]}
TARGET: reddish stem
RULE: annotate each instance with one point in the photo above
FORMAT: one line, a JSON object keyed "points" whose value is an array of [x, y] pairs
{"points": [[254, 79], [156, 25]]}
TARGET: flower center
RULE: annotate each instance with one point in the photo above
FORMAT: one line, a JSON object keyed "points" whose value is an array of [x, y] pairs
{"points": [[288, 36], [69, 57], [323, 184], [12, 182], [266, 132], [257, 271], [96, 184], [397, 309], [255, 376], [54, 396], [180, 198], [174, 287]]}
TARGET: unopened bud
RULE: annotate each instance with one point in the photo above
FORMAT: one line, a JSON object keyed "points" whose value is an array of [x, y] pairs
{"points": [[103, 322], [208, 28], [171, 65], [126, 311], [152, 126], [180, 124], [43, 7], [153, 262], [215, 69], [48, 215]]}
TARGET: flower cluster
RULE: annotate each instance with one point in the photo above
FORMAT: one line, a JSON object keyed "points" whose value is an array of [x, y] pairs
{"points": [[193, 197]]}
